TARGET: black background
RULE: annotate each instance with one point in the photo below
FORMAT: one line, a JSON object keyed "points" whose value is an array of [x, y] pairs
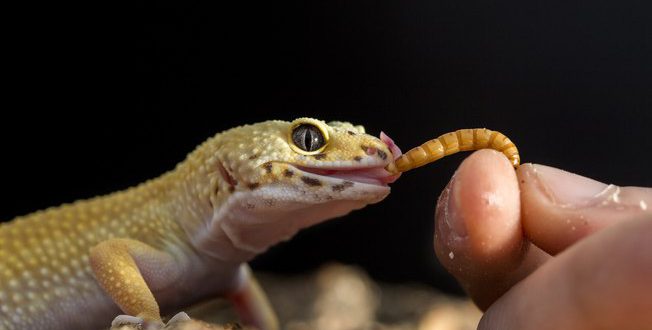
{"points": [[101, 98]]}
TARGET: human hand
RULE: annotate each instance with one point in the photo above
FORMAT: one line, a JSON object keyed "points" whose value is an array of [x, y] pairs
{"points": [[567, 252]]}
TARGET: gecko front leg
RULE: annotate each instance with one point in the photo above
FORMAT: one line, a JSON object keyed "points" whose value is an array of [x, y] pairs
{"points": [[128, 270], [251, 303]]}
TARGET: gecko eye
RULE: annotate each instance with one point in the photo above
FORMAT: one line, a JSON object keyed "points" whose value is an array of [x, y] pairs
{"points": [[308, 138]]}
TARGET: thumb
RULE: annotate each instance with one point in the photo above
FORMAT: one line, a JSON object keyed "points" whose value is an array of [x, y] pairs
{"points": [[560, 208]]}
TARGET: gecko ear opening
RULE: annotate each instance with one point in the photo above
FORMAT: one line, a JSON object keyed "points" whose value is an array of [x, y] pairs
{"points": [[308, 136]]}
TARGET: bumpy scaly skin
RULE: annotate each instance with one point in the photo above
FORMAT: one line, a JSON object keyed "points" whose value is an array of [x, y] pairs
{"points": [[184, 235], [45, 274]]}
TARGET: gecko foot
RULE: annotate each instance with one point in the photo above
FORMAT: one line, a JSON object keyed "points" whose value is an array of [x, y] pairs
{"points": [[121, 320], [128, 322], [179, 317]]}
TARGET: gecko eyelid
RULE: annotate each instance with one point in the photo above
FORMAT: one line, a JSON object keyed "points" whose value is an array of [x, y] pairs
{"points": [[308, 138]]}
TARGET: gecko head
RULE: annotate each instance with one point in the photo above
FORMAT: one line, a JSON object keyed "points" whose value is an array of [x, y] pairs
{"points": [[284, 176], [307, 161]]}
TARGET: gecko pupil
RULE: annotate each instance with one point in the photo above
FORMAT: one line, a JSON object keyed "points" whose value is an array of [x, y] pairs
{"points": [[308, 137]]}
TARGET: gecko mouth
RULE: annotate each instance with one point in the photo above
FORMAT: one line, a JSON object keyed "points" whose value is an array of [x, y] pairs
{"points": [[369, 175], [374, 175]]}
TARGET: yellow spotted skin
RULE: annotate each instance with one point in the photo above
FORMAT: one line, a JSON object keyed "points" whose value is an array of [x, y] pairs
{"points": [[450, 143], [44, 257], [181, 237]]}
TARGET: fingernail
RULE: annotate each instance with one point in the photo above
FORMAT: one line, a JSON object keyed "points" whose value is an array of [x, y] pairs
{"points": [[565, 188], [451, 208]]}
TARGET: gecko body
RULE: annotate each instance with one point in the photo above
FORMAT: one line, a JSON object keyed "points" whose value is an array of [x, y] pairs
{"points": [[188, 234]]}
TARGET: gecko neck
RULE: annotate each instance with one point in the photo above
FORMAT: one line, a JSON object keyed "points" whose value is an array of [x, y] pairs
{"points": [[197, 195]]}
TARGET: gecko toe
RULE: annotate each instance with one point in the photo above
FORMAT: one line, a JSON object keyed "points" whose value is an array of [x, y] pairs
{"points": [[127, 322], [179, 317]]}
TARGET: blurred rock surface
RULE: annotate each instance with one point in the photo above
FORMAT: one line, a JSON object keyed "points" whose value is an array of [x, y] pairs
{"points": [[339, 297]]}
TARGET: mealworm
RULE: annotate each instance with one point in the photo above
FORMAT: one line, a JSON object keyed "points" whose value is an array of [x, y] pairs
{"points": [[450, 143]]}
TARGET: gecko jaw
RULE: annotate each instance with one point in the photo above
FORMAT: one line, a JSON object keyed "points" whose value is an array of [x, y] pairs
{"points": [[376, 175]]}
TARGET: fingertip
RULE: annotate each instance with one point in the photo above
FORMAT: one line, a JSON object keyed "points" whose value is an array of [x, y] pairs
{"points": [[488, 203], [478, 231]]}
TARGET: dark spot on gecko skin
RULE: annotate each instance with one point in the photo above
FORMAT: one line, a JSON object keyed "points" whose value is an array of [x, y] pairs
{"points": [[357, 158], [254, 156], [342, 186], [382, 154], [268, 167], [269, 202], [311, 181], [338, 187], [351, 132], [319, 156], [250, 206], [231, 189], [253, 185], [288, 173]]}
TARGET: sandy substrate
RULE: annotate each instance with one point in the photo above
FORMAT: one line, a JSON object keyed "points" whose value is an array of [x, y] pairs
{"points": [[341, 297]]}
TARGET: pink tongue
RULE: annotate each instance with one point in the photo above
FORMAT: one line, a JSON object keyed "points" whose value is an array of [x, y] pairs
{"points": [[390, 144], [395, 151], [368, 175]]}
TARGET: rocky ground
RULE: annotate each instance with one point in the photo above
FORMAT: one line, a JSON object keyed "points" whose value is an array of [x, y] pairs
{"points": [[341, 297]]}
